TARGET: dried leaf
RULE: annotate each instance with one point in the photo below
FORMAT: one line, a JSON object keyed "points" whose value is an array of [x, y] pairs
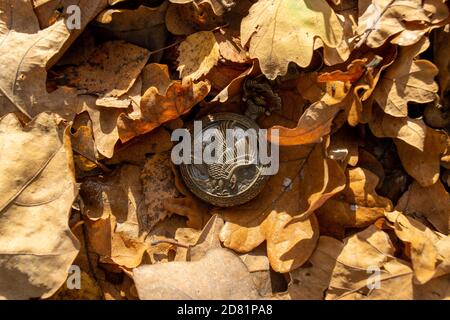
{"points": [[110, 72], [407, 79], [357, 206], [157, 109], [411, 131], [344, 270], [274, 28], [423, 165], [312, 126], [429, 250], [104, 126], [219, 7], [26, 52], [354, 71], [37, 192], [407, 20], [432, 202], [220, 274], [136, 151], [185, 19], [282, 213], [116, 209], [208, 239], [159, 187], [198, 55], [143, 26]]}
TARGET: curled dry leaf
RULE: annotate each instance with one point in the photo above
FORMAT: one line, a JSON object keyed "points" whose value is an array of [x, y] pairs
{"points": [[219, 6], [114, 208], [104, 126], [220, 274], [410, 131], [157, 109], [37, 192], [405, 21], [273, 28], [357, 206], [197, 55], [429, 250], [26, 52], [431, 202], [143, 26], [407, 80], [423, 166], [234, 87], [282, 214], [83, 142], [344, 270], [185, 19], [314, 123], [354, 71], [110, 72], [355, 96]]}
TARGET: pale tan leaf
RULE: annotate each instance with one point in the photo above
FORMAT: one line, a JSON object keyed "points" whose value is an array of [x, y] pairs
{"points": [[343, 270], [116, 212], [283, 31], [423, 166], [220, 274], [26, 52], [407, 80], [411, 131], [37, 192], [432, 202], [407, 20], [143, 26], [219, 6], [197, 55], [357, 206], [429, 250]]}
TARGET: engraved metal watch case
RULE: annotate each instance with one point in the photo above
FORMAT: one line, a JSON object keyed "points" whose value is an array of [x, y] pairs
{"points": [[238, 177]]}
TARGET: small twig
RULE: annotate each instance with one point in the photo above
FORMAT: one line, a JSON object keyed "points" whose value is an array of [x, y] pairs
{"points": [[366, 33], [78, 224], [100, 165], [166, 47], [180, 41], [134, 101], [168, 241]]}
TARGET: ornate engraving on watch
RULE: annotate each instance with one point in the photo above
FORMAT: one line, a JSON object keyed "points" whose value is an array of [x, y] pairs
{"points": [[235, 177]]}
